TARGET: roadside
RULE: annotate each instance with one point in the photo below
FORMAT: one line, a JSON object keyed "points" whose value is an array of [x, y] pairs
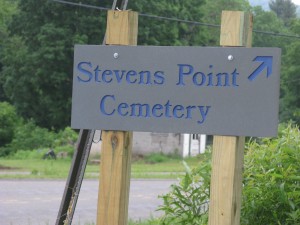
{"points": [[36, 202], [59, 169]]}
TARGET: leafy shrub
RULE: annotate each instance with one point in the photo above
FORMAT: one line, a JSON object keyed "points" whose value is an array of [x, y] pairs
{"points": [[8, 122], [187, 202], [66, 148], [66, 137], [28, 136], [34, 154], [271, 186], [271, 193]]}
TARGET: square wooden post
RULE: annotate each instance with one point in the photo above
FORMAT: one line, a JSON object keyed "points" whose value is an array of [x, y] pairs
{"points": [[228, 152], [113, 198]]}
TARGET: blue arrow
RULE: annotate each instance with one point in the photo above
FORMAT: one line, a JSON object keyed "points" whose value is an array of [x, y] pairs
{"points": [[267, 62]]}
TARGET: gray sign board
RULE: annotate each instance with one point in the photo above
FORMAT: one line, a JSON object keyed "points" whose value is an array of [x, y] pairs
{"points": [[207, 90]]}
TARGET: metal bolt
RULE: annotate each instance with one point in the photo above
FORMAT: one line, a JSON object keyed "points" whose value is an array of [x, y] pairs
{"points": [[230, 57], [116, 55]]}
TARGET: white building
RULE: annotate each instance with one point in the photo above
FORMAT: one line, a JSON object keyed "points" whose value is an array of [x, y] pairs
{"points": [[167, 143]]}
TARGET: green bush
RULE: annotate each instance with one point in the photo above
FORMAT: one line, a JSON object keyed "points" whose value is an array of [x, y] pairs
{"points": [[66, 137], [28, 137], [8, 122], [66, 148], [271, 185], [34, 154], [40, 153], [271, 193]]}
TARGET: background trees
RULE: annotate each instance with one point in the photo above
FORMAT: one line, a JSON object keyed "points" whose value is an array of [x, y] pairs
{"points": [[284, 9], [290, 109], [8, 120], [7, 9], [38, 55], [153, 31]]}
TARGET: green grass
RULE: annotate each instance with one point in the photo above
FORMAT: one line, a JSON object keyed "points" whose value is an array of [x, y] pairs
{"points": [[150, 221], [144, 222], [37, 168], [59, 169]]}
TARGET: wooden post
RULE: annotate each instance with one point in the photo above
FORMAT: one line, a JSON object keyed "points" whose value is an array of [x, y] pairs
{"points": [[116, 148], [228, 152]]}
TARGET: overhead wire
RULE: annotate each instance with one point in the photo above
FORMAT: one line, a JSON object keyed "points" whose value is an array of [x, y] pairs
{"points": [[175, 19], [81, 5]]}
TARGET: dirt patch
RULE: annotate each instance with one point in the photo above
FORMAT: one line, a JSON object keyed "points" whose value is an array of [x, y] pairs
{"points": [[8, 168], [137, 157]]}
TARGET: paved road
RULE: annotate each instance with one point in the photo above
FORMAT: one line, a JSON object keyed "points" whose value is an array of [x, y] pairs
{"points": [[32, 202]]}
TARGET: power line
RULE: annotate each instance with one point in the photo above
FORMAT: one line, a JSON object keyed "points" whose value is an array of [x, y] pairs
{"points": [[276, 34], [81, 5], [179, 20], [176, 19]]}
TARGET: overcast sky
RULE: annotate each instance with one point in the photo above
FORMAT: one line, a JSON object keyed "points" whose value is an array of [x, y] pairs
{"points": [[297, 2]]}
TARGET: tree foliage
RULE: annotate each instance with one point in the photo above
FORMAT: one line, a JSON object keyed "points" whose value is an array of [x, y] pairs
{"points": [[268, 21], [8, 121], [290, 109], [154, 31], [37, 71], [284, 9], [7, 9]]}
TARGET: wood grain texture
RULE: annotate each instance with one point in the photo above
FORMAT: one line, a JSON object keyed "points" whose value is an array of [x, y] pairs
{"points": [[115, 168], [115, 178], [228, 152], [122, 28], [238, 29], [226, 180]]}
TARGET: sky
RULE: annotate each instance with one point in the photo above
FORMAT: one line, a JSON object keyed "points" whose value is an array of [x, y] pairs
{"points": [[297, 2]]}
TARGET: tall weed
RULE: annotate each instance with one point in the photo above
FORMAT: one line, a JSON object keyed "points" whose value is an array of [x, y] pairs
{"points": [[187, 202]]}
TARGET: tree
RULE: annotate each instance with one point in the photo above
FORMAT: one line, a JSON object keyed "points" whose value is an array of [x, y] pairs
{"points": [[284, 9], [153, 31], [7, 9], [8, 121], [267, 21], [37, 61], [290, 109]]}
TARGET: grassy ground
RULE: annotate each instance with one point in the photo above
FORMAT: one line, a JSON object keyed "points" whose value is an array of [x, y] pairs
{"points": [[59, 169], [131, 222]]}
